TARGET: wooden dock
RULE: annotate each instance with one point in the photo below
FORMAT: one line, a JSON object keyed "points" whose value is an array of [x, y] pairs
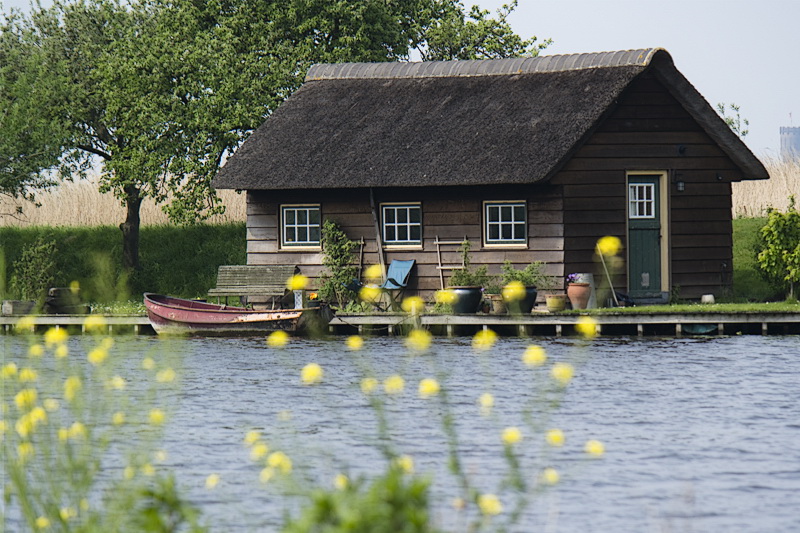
{"points": [[538, 324]]}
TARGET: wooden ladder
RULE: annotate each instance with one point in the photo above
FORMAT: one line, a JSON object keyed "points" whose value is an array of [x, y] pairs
{"points": [[442, 267]]}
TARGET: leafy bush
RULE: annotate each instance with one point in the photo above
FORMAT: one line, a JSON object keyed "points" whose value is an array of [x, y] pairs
{"points": [[34, 271], [780, 256], [337, 257]]}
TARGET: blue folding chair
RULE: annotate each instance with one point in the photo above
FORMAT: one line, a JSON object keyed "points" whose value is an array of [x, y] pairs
{"points": [[397, 279]]}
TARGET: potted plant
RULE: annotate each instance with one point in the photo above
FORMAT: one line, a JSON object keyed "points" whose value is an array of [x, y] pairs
{"points": [[521, 286], [468, 284], [578, 290]]}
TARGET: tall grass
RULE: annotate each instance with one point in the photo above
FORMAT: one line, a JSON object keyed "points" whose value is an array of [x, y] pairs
{"points": [[80, 203], [753, 198]]}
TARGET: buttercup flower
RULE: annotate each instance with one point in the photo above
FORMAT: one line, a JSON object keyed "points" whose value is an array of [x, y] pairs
{"points": [[251, 437], [549, 476], [394, 384], [514, 291], [26, 399], [95, 323], [26, 323], [413, 305], [428, 387], [67, 513], [55, 336], [157, 417], [609, 245], [118, 418], [484, 340], [374, 273], [368, 385], [36, 350], [554, 437], [586, 327], [9, 370], [76, 431], [512, 435], [212, 480], [419, 340], [165, 376], [148, 363], [489, 504], [117, 383], [354, 342], [25, 451], [594, 447], [534, 356], [562, 372], [341, 482], [369, 293], [277, 339], [71, 386], [61, 351], [51, 404], [27, 375], [97, 356], [297, 282], [405, 463], [486, 401], [42, 522], [445, 296], [258, 451], [280, 461], [311, 373]]}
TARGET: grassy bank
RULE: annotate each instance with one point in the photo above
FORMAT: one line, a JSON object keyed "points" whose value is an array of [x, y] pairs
{"points": [[181, 261]]}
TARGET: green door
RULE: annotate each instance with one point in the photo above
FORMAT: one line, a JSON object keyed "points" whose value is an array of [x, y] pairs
{"points": [[644, 236]]}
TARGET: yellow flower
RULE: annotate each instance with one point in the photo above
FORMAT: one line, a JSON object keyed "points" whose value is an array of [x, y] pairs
{"points": [[354, 342], [609, 245], [428, 387], [74, 286], [369, 293], [258, 451], [484, 340], [42, 522], [486, 401], [489, 504], [394, 384], [280, 461], [534, 356], [374, 273], [511, 435], [160, 456], [340, 482], [594, 447], [157, 417], [51, 404], [368, 385], [95, 323], [67, 513], [3, 427], [549, 476], [586, 327], [27, 375], [212, 480], [297, 282], [554, 437], [419, 340], [26, 398], [414, 305], [55, 336], [148, 470], [277, 339], [71, 386], [63, 434], [251, 437], [165, 376], [26, 323], [25, 426], [311, 373], [148, 363], [61, 351], [562, 372], [76, 431], [514, 291], [118, 418], [445, 296], [266, 474], [97, 355], [107, 343], [405, 463], [36, 350], [9, 370], [116, 383], [25, 451]]}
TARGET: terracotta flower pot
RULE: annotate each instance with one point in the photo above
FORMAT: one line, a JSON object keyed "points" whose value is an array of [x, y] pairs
{"points": [[579, 294], [555, 302]]}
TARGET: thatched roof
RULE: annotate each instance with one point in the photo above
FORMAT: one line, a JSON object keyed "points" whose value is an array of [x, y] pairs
{"points": [[504, 121]]}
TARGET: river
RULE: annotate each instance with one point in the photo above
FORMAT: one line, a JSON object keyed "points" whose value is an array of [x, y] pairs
{"points": [[700, 434]]}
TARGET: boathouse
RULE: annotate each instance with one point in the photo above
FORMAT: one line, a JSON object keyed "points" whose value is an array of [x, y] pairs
{"points": [[531, 159]]}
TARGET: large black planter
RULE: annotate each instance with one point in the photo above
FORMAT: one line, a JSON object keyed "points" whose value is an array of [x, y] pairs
{"points": [[468, 300], [524, 306]]}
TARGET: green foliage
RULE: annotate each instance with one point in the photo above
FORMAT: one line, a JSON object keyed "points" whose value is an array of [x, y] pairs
{"points": [[33, 273], [780, 257], [337, 257], [734, 120], [530, 276], [159, 508], [750, 283], [467, 276], [392, 502]]}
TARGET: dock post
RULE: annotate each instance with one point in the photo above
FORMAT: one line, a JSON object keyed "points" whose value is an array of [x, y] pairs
{"points": [[640, 330], [523, 330], [764, 328], [678, 330], [390, 328], [449, 328], [721, 329], [558, 330]]}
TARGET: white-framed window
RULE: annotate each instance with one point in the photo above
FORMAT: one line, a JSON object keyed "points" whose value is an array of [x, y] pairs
{"points": [[402, 224], [300, 225], [505, 223], [641, 200]]}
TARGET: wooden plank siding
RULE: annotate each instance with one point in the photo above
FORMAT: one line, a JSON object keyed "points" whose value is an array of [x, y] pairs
{"points": [[451, 213], [650, 131]]}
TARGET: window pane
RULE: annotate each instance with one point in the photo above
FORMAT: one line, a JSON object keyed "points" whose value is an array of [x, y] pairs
{"points": [[494, 213], [402, 233], [415, 215], [290, 236], [416, 233], [302, 216], [494, 232], [506, 231], [505, 212], [289, 216], [519, 231], [390, 234], [388, 215], [302, 234], [313, 216], [314, 234], [519, 212]]}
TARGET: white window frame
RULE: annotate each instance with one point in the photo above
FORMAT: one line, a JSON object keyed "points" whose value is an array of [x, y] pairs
{"points": [[307, 226], [513, 222], [407, 224], [641, 206]]}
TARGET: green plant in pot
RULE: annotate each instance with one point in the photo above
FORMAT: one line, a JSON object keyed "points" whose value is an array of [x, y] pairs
{"points": [[468, 283], [520, 287]]}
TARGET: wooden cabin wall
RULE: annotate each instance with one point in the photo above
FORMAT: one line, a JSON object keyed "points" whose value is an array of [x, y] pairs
{"points": [[451, 214], [650, 131]]}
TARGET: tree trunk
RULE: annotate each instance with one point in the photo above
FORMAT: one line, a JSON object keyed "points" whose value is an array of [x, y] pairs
{"points": [[130, 228]]}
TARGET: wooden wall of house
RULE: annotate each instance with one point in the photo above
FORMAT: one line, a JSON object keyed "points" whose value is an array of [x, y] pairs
{"points": [[451, 214], [650, 131]]}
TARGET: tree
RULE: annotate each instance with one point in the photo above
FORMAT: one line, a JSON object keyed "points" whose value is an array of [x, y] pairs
{"points": [[159, 92], [780, 258], [734, 120]]}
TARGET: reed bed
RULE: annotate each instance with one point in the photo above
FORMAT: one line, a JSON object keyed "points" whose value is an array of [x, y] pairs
{"points": [[80, 204], [753, 198]]}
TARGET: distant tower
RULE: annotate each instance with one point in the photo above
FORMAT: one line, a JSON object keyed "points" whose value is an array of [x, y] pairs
{"points": [[790, 143]]}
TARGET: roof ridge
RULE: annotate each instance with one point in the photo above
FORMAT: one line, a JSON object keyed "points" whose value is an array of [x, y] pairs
{"points": [[483, 67]]}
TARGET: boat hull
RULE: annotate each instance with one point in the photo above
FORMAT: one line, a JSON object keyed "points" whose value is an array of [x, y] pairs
{"points": [[170, 315]]}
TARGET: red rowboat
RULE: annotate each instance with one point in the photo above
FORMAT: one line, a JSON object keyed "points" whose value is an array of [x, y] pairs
{"points": [[176, 315]]}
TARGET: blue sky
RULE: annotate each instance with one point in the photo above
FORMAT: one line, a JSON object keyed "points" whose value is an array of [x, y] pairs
{"points": [[733, 51]]}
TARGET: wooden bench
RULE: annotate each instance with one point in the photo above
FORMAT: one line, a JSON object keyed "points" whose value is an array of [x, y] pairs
{"points": [[253, 282]]}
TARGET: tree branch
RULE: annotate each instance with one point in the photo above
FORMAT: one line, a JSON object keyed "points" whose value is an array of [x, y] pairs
{"points": [[95, 151]]}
